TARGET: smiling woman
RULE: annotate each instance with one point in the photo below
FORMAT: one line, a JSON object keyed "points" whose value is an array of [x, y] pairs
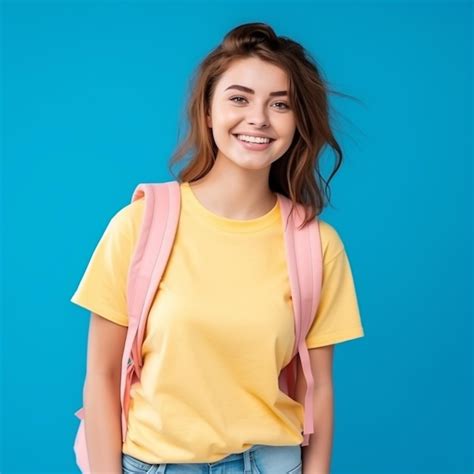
{"points": [[245, 296], [242, 129], [258, 84]]}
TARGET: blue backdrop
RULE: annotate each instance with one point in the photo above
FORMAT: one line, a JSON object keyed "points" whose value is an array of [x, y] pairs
{"points": [[93, 94]]}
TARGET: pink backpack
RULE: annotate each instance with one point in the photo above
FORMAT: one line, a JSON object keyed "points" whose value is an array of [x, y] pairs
{"points": [[161, 215]]}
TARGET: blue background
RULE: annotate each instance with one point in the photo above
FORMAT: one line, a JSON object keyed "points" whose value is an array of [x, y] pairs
{"points": [[93, 94]]}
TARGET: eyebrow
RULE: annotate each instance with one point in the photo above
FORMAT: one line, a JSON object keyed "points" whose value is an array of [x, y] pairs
{"points": [[251, 91]]}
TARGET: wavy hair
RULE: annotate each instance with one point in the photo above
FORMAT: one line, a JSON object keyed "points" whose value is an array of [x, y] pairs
{"points": [[296, 174]]}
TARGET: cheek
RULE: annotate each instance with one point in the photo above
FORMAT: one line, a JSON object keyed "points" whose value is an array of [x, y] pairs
{"points": [[225, 126], [287, 133], [224, 112], [287, 126]]}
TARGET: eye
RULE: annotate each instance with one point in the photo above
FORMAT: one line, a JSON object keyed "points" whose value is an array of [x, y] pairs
{"points": [[282, 103], [237, 97]]}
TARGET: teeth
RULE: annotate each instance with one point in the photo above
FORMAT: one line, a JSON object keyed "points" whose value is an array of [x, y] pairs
{"points": [[249, 138]]}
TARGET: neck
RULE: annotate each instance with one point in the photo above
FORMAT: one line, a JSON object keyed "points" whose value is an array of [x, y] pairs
{"points": [[240, 195]]}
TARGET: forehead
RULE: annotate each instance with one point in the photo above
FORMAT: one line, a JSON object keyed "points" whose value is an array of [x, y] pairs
{"points": [[255, 73]]}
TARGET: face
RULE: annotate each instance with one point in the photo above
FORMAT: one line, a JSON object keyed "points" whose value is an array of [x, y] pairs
{"points": [[243, 104]]}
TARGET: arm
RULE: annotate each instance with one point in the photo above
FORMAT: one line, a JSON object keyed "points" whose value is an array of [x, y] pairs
{"points": [[102, 410], [317, 455]]}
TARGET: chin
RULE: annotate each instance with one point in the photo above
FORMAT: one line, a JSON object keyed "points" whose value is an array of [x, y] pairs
{"points": [[252, 163]]}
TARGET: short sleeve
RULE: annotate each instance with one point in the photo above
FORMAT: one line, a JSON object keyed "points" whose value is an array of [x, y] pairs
{"points": [[103, 286], [338, 317]]}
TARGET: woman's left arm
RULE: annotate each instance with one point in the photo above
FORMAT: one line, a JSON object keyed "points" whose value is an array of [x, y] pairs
{"points": [[317, 455]]}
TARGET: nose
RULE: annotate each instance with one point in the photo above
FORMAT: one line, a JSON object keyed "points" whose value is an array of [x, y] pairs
{"points": [[257, 117]]}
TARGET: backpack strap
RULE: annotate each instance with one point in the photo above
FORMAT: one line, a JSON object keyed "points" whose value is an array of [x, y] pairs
{"points": [[304, 259], [155, 241]]}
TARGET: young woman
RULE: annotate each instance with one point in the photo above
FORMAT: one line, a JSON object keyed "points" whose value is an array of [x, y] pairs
{"points": [[221, 327]]}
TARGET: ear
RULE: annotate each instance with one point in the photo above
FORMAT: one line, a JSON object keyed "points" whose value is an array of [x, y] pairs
{"points": [[209, 120]]}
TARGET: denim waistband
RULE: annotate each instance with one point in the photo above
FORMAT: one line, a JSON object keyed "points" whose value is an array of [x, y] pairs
{"points": [[242, 456], [236, 456]]}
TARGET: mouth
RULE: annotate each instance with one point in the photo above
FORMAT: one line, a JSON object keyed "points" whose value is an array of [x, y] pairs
{"points": [[253, 146], [271, 140]]}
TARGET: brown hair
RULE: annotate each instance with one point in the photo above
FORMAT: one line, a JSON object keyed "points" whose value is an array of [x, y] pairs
{"points": [[293, 174]]}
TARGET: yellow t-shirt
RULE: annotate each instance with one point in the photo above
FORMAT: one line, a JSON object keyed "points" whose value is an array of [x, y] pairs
{"points": [[219, 331]]}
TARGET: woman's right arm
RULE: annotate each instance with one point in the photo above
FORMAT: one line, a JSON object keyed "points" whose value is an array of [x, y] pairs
{"points": [[102, 410]]}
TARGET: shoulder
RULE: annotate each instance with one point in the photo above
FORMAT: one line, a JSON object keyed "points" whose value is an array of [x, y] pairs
{"points": [[127, 220], [331, 241], [131, 212]]}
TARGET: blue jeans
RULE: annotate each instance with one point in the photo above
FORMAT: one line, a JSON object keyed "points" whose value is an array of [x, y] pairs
{"points": [[259, 459]]}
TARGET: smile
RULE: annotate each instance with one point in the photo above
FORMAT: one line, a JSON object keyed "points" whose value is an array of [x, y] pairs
{"points": [[248, 145], [253, 139]]}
